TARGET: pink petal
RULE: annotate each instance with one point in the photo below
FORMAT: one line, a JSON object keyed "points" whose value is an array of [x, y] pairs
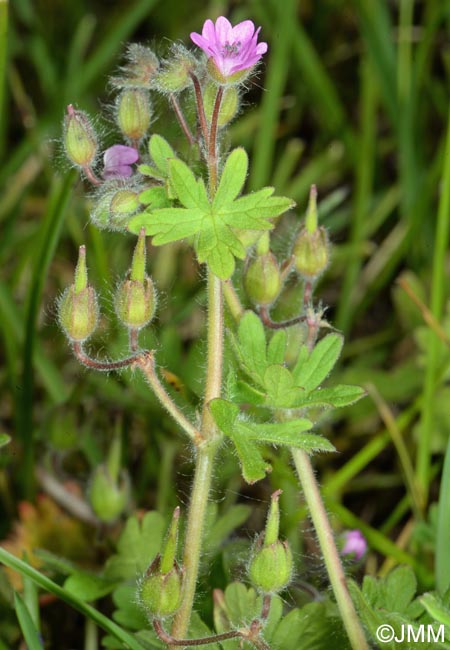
{"points": [[206, 45], [243, 32], [120, 154], [223, 30], [209, 31]]}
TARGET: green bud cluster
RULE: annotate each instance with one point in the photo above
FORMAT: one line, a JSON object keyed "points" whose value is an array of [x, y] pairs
{"points": [[135, 299], [78, 306], [311, 246], [160, 590], [134, 112], [80, 139], [271, 564]]}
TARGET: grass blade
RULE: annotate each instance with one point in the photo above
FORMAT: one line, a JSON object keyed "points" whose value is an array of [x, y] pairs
{"points": [[102, 621], [27, 626]]}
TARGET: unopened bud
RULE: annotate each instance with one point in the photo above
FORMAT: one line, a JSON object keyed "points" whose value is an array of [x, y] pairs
{"points": [[271, 564], [228, 106], [115, 208], [263, 279], [176, 72], [80, 140], [140, 70], [134, 113], [135, 299], [108, 497], [311, 252], [78, 307], [160, 591], [311, 248]]}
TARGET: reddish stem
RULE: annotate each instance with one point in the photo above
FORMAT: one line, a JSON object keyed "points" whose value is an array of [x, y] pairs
{"points": [[87, 361], [200, 108], [268, 322], [91, 176], [182, 120], [170, 640]]}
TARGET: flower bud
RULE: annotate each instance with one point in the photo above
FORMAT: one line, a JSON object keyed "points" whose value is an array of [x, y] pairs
{"points": [[108, 498], [228, 106], [135, 299], [115, 208], [110, 487], [140, 70], [161, 589], [78, 307], [134, 112], [271, 563], [262, 279], [175, 75], [80, 140], [311, 248]]}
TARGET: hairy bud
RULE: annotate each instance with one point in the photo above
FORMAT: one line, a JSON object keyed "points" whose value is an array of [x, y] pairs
{"points": [[80, 139], [263, 279], [78, 306], [161, 589], [271, 563], [135, 299], [175, 74], [115, 208], [134, 112], [311, 248], [140, 70]]}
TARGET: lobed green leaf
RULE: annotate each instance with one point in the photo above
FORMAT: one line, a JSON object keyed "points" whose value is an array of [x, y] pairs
{"points": [[232, 179], [311, 372], [161, 153]]}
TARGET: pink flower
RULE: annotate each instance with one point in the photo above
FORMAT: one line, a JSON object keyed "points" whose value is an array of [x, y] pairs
{"points": [[232, 48], [117, 160], [355, 544]]}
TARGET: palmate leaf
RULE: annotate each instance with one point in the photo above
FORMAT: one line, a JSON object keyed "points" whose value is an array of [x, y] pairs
{"points": [[247, 435], [214, 224], [312, 369]]}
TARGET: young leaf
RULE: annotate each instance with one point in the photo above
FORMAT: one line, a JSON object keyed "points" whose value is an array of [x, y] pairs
{"points": [[321, 361], [88, 586], [161, 152], [167, 224], [30, 632], [152, 172], [252, 346], [288, 433], [253, 465], [335, 396], [155, 197], [183, 182], [137, 547], [232, 179], [276, 349], [279, 383]]}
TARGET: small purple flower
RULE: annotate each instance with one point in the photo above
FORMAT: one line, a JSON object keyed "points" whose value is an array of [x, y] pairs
{"points": [[232, 48], [354, 544], [117, 160]]}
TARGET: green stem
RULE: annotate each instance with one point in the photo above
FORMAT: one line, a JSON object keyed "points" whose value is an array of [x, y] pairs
{"points": [[206, 452], [194, 535], [328, 547]]}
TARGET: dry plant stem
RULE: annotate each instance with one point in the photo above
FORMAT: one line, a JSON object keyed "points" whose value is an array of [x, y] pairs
{"points": [[146, 363], [91, 176], [265, 611], [200, 109], [182, 120], [206, 452], [69, 501], [328, 547]]}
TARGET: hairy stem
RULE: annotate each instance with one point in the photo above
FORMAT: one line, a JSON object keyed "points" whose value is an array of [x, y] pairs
{"points": [[207, 640], [328, 547], [146, 363], [194, 534], [200, 109], [182, 120], [206, 452]]}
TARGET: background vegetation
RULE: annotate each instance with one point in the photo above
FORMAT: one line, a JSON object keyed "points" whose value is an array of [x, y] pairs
{"points": [[353, 96]]}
